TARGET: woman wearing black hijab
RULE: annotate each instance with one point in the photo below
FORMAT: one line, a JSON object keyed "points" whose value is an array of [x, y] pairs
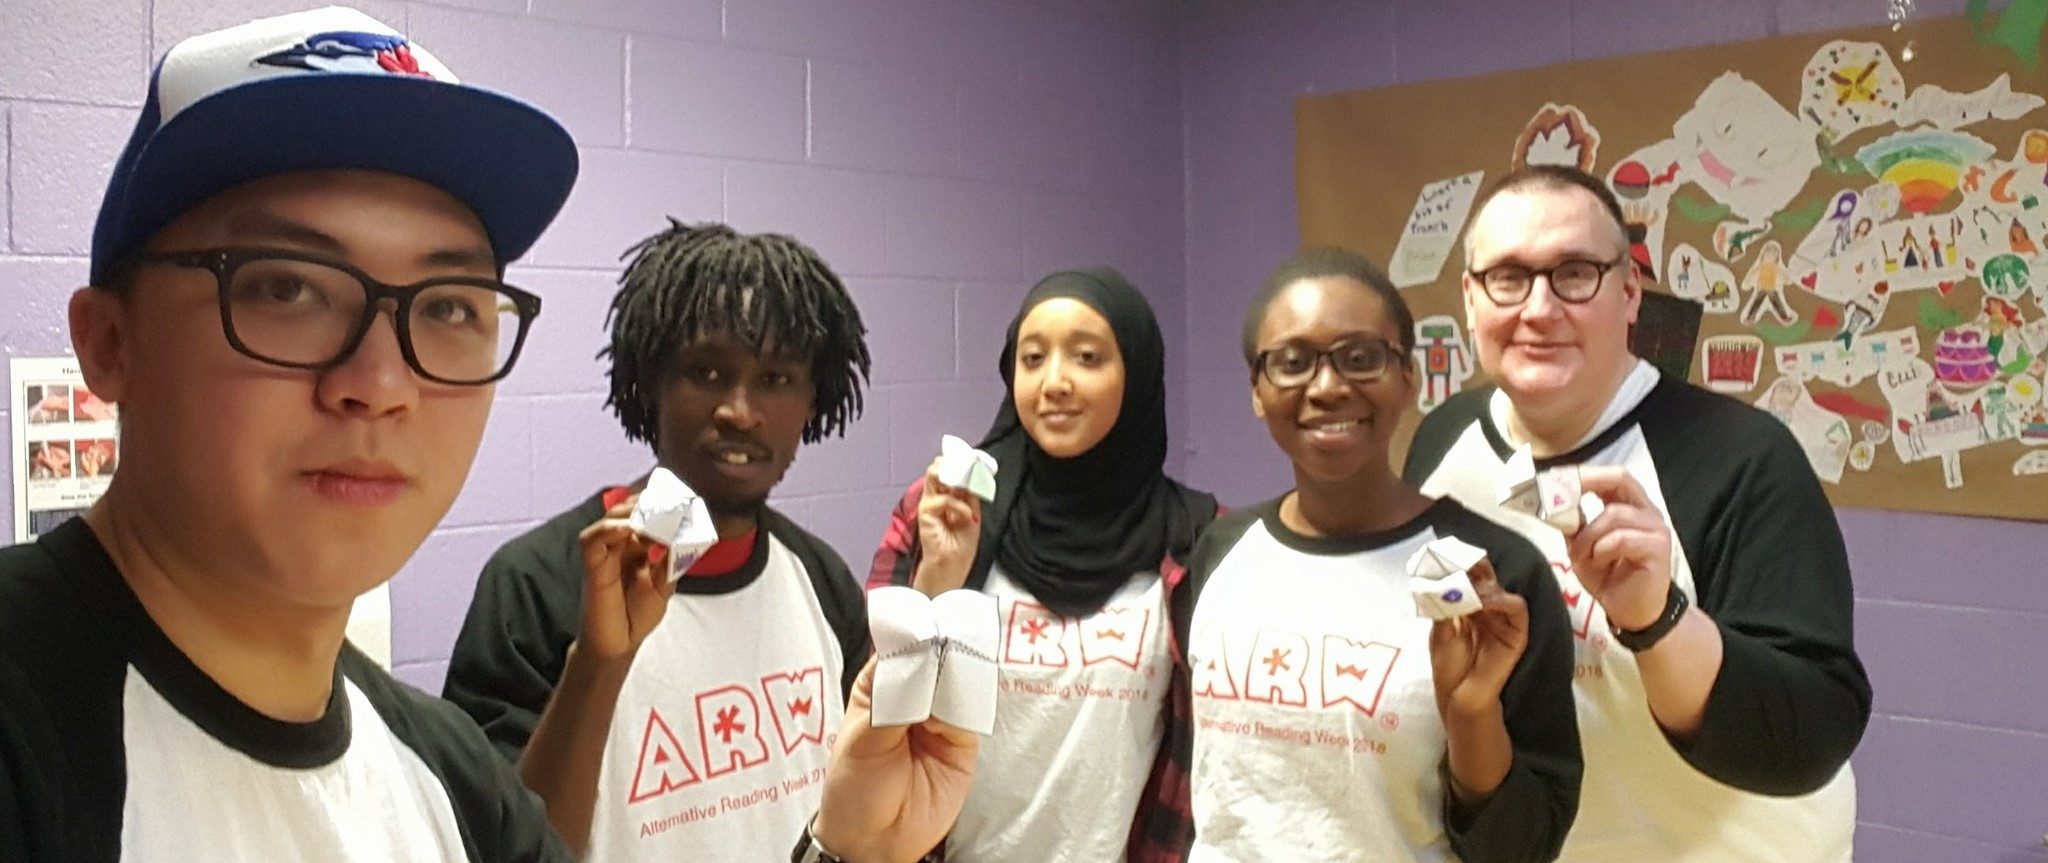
{"points": [[1083, 525]]}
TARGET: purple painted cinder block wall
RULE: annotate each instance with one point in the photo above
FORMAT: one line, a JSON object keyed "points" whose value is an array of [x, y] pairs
{"points": [[942, 155], [1952, 622]]}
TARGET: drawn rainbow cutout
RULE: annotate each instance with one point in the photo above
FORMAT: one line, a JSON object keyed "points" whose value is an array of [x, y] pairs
{"points": [[1924, 164]]}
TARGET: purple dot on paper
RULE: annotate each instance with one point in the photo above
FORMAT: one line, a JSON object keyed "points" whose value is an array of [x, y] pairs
{"points": [[1453, 595]]}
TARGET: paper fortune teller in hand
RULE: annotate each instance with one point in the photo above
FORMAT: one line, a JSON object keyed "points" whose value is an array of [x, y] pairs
{"points": [[1553, 495], [670, 513], [1439, 577], [935, 657], [964, 467]]}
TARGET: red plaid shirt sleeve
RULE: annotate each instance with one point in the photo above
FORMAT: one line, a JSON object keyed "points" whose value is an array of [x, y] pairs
{"points": [[1165, 825], [896, 558]]}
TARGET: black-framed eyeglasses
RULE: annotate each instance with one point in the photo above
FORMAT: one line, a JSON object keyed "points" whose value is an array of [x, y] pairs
{"points": [[304, 311], [1359, 360], [1574, 281]]}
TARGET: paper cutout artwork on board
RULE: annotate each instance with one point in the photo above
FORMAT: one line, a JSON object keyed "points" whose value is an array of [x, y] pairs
{"points": [[2034, 431], [2003, 324], [1925, 164], [2024, 390], [1733, 239], [2034, 335], [1849, 86], [1905, 255], [936, 657], [962, 466], [1731, 363], [2031, 464], [2005, 276], [1645, 198], [1862, 455], [1940, 429], [1431, 232], [1445, 362], [1558, 135], [1693, 276], [1744, 148], [1736, 143], [1845, 222], [1822, 433], [1946, 110], [1765, 286], [1846, 365], [1440, 580], [1908, 386], [1962, 361]]}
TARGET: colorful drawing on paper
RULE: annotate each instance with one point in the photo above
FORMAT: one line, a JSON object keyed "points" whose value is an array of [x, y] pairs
{"points": [[1850, 86], [1863, 254], [1924, 164], [1731, 363], [1765, 284], [1694, 276], [1846, 364], [1824, 434], [1558, 135], [1443, 359], [1737, 144], [1431, 232]]}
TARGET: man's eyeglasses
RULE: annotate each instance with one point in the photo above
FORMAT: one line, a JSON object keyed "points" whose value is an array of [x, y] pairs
{"points": [[303, 311], [1572, 281], [1359, 360]]}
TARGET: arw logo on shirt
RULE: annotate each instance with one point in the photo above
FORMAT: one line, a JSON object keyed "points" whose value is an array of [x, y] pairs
{"points": [[1578, 604], [738, 728], [1034, 635], [1278, 667]]}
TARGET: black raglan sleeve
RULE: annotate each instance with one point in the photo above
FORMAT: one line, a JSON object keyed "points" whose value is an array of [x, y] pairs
{"points": [[1528, 816], [1769, 566], [16, 829], [839, 596], [1438, 431], [515, 640], [500, 819]]}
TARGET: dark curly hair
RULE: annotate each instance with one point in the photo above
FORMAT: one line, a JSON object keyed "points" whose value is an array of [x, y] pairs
{"points": [[765, 289]]}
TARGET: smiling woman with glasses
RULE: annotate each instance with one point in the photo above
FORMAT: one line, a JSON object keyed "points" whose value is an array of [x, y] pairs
{"points": [[1359, 360], [1381, 734], [305, 311]]}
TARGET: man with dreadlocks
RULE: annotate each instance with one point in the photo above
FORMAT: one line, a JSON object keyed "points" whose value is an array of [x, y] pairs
{"points": [[707, 738]]}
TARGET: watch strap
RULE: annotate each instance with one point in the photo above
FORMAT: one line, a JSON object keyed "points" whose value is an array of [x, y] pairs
{"points": [[1638, 640]]}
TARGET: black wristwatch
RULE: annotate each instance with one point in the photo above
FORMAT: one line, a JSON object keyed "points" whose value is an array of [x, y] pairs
{"points": [[1639, 640], [809, 851]]}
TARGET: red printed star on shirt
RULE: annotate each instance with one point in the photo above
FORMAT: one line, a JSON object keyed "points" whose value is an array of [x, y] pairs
{"points": [[728, 724], [1276, 661], [1034, 629]]}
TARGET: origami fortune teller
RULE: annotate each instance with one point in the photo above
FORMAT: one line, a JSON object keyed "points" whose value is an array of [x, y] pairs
{"points": [[1439, 576], [936, 657], [964, 467], [1553, 495], [670, 512]]}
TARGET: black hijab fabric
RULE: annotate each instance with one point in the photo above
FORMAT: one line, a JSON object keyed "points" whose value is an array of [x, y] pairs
{"points": [[1072, 531]]}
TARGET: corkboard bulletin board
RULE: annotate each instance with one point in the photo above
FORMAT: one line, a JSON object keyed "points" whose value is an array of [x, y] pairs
{"points": [[1864, 237]]}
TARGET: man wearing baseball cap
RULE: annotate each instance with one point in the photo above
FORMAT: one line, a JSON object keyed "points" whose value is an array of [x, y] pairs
{"points": [[296, 299]]}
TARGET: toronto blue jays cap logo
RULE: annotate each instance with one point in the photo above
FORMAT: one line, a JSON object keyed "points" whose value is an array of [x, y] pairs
{"points": [[348, 51]]}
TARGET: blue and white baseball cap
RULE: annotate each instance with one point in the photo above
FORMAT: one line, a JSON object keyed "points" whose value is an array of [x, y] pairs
{"points": [[328, 88]]}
